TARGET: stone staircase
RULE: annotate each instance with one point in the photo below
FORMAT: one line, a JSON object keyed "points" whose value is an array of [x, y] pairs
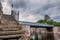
{"points": [[12, 30]]}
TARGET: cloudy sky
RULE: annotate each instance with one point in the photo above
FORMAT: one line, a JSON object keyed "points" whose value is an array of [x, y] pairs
{"points": [[33, 10]]}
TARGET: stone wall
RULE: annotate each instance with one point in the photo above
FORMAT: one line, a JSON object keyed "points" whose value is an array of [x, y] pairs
{"points": [[26, 28], [56, 31]]}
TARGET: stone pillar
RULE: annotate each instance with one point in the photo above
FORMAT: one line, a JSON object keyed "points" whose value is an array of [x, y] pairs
{"points": [[55, 31], [26, 28], [1, 10]]}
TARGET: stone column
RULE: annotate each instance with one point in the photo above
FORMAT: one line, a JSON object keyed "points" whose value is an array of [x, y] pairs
{"points": [[55, 31]]}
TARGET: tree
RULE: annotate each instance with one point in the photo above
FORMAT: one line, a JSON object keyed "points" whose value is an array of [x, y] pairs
{"points": [[47, 17], [49, 21]]}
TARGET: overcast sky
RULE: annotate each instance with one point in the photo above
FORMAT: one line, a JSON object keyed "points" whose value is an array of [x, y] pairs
{"points": [[33, 10]]}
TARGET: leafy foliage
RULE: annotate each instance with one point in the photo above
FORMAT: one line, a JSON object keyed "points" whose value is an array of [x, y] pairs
{"points": [[49, 21]]}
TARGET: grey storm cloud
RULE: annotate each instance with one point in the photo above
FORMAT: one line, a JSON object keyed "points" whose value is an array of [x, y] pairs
{"points": [[36, 8], [18, 3]]}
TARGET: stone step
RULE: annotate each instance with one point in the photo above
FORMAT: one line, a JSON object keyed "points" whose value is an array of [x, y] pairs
{"points": [[11, 32], [11, 36], [10, 28], [6, 29]]}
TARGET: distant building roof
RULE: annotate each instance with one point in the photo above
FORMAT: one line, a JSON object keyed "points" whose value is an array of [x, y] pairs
{"points": [[34, 24]]}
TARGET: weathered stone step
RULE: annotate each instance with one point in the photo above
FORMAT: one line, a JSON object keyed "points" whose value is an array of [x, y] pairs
{"points": [[11, 36], [11, 32], [10, 28]]}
